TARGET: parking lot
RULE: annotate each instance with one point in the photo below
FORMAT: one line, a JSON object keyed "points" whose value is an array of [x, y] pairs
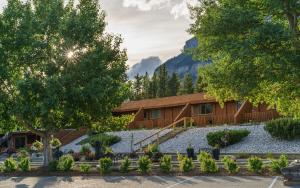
{"points": [[142, 182]]}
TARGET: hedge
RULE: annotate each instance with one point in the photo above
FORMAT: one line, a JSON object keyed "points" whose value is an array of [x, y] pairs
{"points": [[105, 139], [284, 128], [232, 137]]}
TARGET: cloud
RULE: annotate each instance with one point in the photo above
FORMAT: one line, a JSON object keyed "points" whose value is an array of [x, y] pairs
{"points": [[181, 9], [146, 5]]}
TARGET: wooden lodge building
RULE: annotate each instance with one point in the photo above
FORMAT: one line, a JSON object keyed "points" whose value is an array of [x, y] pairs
{"points": [[199, 109]]}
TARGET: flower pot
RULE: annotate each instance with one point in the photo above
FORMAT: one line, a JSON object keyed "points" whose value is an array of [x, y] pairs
{"points": [[190, 153], [216, 153]]}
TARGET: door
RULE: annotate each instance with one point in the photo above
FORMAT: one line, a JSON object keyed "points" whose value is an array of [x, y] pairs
{"points": [[20, 142]]}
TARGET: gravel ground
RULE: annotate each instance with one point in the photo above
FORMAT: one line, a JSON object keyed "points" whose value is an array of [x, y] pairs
{"points": [[124, 145], [258, 141]]}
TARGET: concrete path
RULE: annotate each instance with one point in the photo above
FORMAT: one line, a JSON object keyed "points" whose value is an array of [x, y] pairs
{"points": [[142, 182]]}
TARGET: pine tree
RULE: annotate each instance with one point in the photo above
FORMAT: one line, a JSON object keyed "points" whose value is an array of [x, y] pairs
{"points": [[200, 85], [137, 87], [187, 86], [145, 86], [153, 87], [173, 85], [162, 81]]}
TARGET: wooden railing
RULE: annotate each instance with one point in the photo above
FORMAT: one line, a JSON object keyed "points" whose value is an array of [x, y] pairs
{"points": [[183, 121], [260, 116]]}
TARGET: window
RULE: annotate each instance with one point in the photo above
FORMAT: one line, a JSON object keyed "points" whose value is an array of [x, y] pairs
{"points": [[205, 108], [155, 114], [238, 104]]}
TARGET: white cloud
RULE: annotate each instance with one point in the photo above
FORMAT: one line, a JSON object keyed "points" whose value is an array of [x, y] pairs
{"points": [[181, 9], [146, 5]]}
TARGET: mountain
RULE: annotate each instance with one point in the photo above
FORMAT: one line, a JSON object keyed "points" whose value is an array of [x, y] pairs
{"points": [[146, 65], [183, 63]]}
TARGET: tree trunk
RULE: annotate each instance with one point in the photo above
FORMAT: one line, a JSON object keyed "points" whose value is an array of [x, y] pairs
{"points": [[47, 149]]}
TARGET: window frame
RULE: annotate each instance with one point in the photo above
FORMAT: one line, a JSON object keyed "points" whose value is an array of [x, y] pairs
{"points": [[157, 115], [205, 105]]}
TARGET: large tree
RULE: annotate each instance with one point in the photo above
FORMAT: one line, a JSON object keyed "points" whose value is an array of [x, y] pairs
{"points": [[255, 49], [173, 85], [187, 86], [162, 81], [58, 67]]}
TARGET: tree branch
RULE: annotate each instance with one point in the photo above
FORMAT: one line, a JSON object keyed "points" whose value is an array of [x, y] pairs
{"points": [[30, 127]]}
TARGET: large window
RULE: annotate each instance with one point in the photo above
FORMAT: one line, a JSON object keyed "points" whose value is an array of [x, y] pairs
{"points": [[155, 114], [205, 108]]}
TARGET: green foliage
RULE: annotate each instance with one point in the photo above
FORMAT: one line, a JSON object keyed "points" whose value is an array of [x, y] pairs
{"points": [[277, 165], [85, 149], [125, 165], [105, 165], [2, 168], [179, 156], [186, 164], [85, 168], [59, 67], [104, 139], [204, 156], [187, 86], [254, 47], [230, 165], [162, 81], [165, 163], [55, 143], [37, 146], [173, 85], [284, 128], [144, 164], [255, 164], [152, 148], [66, 163], [10, 165], [53, 165], [232, 137], [112, 123], [208, 166], [22, 153], [24, 164]]}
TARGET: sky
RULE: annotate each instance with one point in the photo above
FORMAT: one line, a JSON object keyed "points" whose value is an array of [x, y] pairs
{"points": [[148, 27]]}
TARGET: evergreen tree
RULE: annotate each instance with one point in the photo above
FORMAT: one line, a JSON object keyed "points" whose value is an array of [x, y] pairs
{"points": [[200, 84], [187, 86], [162, 81], [173, 85], [145, 86], [153, 87], [137, 87]]}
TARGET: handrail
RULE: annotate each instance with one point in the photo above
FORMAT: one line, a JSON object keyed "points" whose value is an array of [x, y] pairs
{"points": [[169, 126]]}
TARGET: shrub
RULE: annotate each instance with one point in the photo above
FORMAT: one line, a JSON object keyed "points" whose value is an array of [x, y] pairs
{"points": [[277, 165], [208, 166], [55, 143], [105, 165], [230, 165], [144, 164], [22, 153], [104, 139], [186, 164], [10, 165], [85, 149], [165, 163], [232, 137], [151, 149], [255, 164], [179, 156], [284, 128], [24, 164], [37, 146], [203, 156], [125, 165], [66, 163], [53, 165], [85, 168], [1, 168]]}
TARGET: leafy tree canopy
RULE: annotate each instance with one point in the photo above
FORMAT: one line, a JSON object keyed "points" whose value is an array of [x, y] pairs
{"points": [[58, 67], [255, 49]]}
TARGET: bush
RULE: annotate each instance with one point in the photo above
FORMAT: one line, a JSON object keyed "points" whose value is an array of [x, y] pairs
{"points": [[10, 165], [24, 164], [230, 165], [85, 168], [186, 164], [208, 166], [22, 153], [37, 146], [66, 163], [277, 165], [125, 165], [104, 139], [232, 137], [1, 168], [204, 156], [284, 128], [105, 165], [255, 164], [179, 156], [165, 163], [85, 149], [53, 165], [55, 143], [144, 164]]}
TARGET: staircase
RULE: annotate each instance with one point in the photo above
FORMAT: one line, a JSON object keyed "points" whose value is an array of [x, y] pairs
{"points": [[177, 128]]}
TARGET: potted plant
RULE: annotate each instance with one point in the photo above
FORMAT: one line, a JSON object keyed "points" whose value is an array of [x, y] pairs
{"points": [[55, 145], [37, 147], [216, 152], [190, 152]]}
